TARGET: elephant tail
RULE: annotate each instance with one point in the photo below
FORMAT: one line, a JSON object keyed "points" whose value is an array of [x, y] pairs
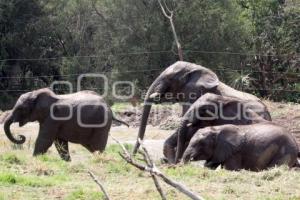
{"points": [[120, 121]]}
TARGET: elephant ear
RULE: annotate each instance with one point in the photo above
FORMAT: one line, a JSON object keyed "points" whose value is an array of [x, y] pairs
{"points": [[228, 142], [30, 101], [208, 79], [203, 78], [41, 98]]}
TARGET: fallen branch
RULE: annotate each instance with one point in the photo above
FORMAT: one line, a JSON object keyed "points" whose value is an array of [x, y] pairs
{"points": [[150, 163], [99, 184], [154, 171]]}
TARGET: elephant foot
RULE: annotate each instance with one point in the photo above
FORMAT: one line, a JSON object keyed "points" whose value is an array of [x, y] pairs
{"points": [[211, 165], [66, 158]]}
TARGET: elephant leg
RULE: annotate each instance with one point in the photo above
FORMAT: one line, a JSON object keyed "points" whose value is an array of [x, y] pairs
{"points": [[169, 149], [233, 163], [63, 149], [285, 159], [88, 147], [211, 165], [99, 140], [46, 136], [185, 139], [42, 145]]}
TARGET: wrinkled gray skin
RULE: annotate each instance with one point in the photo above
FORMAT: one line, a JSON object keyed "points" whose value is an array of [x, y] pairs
{"points": [[252, 147], [212, 110], [189, 80], [35, 106]]}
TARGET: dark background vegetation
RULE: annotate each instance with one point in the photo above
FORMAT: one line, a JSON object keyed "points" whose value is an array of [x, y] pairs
{"points": [[253, 45]]}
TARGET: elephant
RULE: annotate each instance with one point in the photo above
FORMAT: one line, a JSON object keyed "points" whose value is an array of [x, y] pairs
{"points": [[184, 82], [83, 118], [212, 110], [252, 147]]}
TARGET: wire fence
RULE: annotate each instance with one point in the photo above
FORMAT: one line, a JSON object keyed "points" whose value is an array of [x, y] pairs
{"points": [[155, 52], [241, 70], [37, 78]]}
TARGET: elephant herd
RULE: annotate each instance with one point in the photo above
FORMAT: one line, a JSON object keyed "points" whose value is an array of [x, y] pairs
{"points": [[220, 125]]}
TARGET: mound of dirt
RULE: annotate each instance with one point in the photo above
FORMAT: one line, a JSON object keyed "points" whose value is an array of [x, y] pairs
{"points": [[164, 117], [286, 115]]}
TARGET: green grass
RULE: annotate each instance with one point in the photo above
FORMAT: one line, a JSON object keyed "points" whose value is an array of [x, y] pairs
{"points": [[47, 177], [120, 106], [11, 158], [84, 194], [10, 178]]}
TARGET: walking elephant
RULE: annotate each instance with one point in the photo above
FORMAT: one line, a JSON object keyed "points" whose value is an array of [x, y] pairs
{"points": [[212, 110], [252, 147], [83, 118], [184, 82]]}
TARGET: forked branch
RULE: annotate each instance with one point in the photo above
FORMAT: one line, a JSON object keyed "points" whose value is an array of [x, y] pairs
{"points": [[154, 171], [169, 15]]}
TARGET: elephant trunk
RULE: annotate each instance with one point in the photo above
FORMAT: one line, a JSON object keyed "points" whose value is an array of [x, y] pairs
{"points": [[154, 91], [181, 139], [9, 120], [142, 129]]}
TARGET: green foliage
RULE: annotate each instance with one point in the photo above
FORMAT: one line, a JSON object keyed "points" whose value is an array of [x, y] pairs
{"points": [[128, 39], [24, 180]]}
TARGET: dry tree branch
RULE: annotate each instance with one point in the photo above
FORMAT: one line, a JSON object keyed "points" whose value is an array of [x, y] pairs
{"points": [[150, 163], [99, 184], [170, 17], [153, 170], [147, 160], [166, 6], [164, 11]]}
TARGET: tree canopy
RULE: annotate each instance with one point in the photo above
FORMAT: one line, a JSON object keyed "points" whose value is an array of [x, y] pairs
{"points": [[253, 45]]}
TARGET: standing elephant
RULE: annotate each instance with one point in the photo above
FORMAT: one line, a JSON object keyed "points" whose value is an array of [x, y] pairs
{"points": [[184, 82], [252, 147], [212, 110], [81, 117]]}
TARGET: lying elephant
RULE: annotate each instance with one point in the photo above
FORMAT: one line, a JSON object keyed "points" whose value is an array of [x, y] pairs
{"points": [[185, 82], [252, 147], [81, 117], [213, 110]]}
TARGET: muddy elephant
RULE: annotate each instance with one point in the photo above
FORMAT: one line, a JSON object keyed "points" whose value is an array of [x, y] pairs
{"points": [[252, 147], [212, 110], [184, 82], [83, 118]]}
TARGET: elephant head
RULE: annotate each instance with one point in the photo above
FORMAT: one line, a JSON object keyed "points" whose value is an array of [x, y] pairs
{"points": [[181, 82], [214, 144], [203, 113], [31, 106]]}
